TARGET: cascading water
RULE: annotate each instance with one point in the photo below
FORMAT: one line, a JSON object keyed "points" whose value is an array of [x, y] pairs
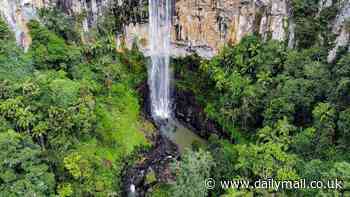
{"points": [[159, 73], [159, 79]]}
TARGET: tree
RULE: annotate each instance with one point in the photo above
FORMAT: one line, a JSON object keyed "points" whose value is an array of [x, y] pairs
{"points": [[340, 94], [60, 23], [278, 109], [54, 95], [14, 64], [341, 172], [23, 172], [49, 50], [238, 193], [225, 157], [307, 26], [191, 172], [266, 161], [304, 143], [324, 116], [281, 133], [294, 63], [343, 128], [5, 32], [299, 92], [341, 68], [312, 170]]}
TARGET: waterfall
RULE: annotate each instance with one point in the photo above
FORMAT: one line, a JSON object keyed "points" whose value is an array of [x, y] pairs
{"points": [[132, 192], [159, 73]]}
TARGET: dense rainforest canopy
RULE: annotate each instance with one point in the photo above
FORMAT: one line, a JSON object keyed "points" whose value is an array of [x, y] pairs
{"points": [[69, 115], [286, 110], [71, 120]]}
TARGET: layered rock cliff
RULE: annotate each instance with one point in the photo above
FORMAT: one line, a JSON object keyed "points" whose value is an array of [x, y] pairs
{"points": [[206, 25], [341, 28], [18, 12], [201, 26], [212, 23]]}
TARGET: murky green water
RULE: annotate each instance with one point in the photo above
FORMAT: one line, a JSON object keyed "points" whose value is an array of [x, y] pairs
{"points": [[182, 136]]}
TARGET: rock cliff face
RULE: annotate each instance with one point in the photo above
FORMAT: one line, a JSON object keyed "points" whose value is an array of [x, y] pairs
{"points": [[341, 28], [18, 12], [201, 26], [206, 25], [212, 23]]}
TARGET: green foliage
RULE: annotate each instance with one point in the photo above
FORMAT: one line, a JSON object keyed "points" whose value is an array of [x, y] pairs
{"points": [[341, 68], [266, 160], [304, 143], [118, 15], [277, 109], [5, 33], [238, 193], [23, 171], [70, 117], [324, 120], [306, 28], [63, 92], [311, 25], [239, 79], [90, 172], [79, 109], [14, 64], [192, 171], [327, 171], [225, 156], [340, 171], [306, 24], [343, 127], [291, 107], [280, 133], [304, 8], [234, 72], [49, 50], [120, 105], [161, 190], [61, 24], [151, 177], [65, 190], [77, 166]]}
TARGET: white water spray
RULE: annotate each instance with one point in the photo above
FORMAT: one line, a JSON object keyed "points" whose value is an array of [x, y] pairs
{"points": [[159, 73], [132, 192]]}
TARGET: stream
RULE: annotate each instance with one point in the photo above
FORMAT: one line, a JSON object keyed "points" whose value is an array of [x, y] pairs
{"points": [[173, 139]]}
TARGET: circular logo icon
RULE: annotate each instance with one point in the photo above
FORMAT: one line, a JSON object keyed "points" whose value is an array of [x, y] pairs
{"points": [[209, 183]]}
